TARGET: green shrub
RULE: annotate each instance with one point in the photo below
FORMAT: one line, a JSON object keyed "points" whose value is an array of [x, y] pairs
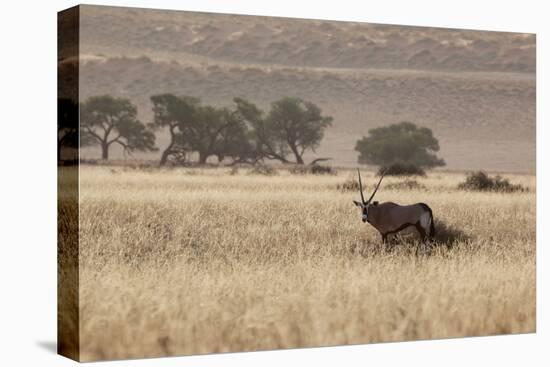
{"points": [[481, 181]]}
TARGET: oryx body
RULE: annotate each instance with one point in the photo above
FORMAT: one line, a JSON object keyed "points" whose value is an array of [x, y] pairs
{"points": [[389, 218]]}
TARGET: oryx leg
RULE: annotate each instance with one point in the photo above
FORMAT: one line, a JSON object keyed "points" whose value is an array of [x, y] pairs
{"points": [[421, 231], [387, 246]]}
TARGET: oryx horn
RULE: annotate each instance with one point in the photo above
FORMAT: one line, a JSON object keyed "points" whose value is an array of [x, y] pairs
{"points": [[361, 187], [377, 186]]}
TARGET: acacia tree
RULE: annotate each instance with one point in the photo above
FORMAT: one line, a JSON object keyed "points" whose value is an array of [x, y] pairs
{"points": [[241, 132], [239, 140], [292, 127], [67, 125], [108, 120], [173, 113], [202, 133], [68, 135], [198, 128], [399, 143]]}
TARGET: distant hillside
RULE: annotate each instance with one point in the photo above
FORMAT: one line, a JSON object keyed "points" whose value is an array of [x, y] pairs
{"points": [[476, 90], [298, 42]]}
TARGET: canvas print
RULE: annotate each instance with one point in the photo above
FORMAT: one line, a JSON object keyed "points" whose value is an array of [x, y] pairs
{"points": [[232, 183]]}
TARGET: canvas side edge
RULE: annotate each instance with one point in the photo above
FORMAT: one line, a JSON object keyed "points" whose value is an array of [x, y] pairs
{"points": [[68, 315]]}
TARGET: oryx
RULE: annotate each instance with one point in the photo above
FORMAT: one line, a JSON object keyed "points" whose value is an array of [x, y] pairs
{"points": [[389, 218]]}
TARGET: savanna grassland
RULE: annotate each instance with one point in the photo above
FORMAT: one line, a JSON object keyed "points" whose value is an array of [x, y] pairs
{"points": [[201, 260]]}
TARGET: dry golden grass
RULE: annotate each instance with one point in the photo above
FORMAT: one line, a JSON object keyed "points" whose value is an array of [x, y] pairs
{"points": [[192, 261]]}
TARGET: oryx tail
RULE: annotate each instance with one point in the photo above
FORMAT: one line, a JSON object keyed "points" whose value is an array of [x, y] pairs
{"points": [[431, 232]]}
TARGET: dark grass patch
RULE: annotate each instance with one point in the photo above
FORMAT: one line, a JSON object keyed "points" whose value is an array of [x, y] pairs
{"points": [[315, 169], [348, 185], [448, 235], [401, 169], [406, 185], [263, 169]]}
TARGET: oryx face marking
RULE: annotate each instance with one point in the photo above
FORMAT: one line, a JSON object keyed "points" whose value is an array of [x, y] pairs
{"points": [[365, 215], [364, 211]]}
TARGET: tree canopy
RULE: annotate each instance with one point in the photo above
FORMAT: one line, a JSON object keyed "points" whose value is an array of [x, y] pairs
{"points": [[238, 141], [399, 143], [201, 129], [108, 120], [292, 127], [238, 133], [173, 113], [241, 132]]}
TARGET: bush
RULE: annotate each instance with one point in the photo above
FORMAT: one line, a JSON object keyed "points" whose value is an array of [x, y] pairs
{"points": [[402, 142], [298, 170], [402, 169], [318, 169], [263, 169], [348, 185], [480, 181], [315, 169], [406, 185]]}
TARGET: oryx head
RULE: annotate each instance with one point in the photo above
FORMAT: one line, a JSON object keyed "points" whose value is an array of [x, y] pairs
{"points": [[366, 205]]}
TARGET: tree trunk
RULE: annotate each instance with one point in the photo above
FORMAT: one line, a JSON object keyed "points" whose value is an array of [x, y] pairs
{"points": [[168, 150], [203, 156], [105, 151], [299, 159], [164, 157]]}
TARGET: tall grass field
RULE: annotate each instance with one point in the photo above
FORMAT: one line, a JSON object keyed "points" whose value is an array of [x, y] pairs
{"points": [[202, 260]]}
